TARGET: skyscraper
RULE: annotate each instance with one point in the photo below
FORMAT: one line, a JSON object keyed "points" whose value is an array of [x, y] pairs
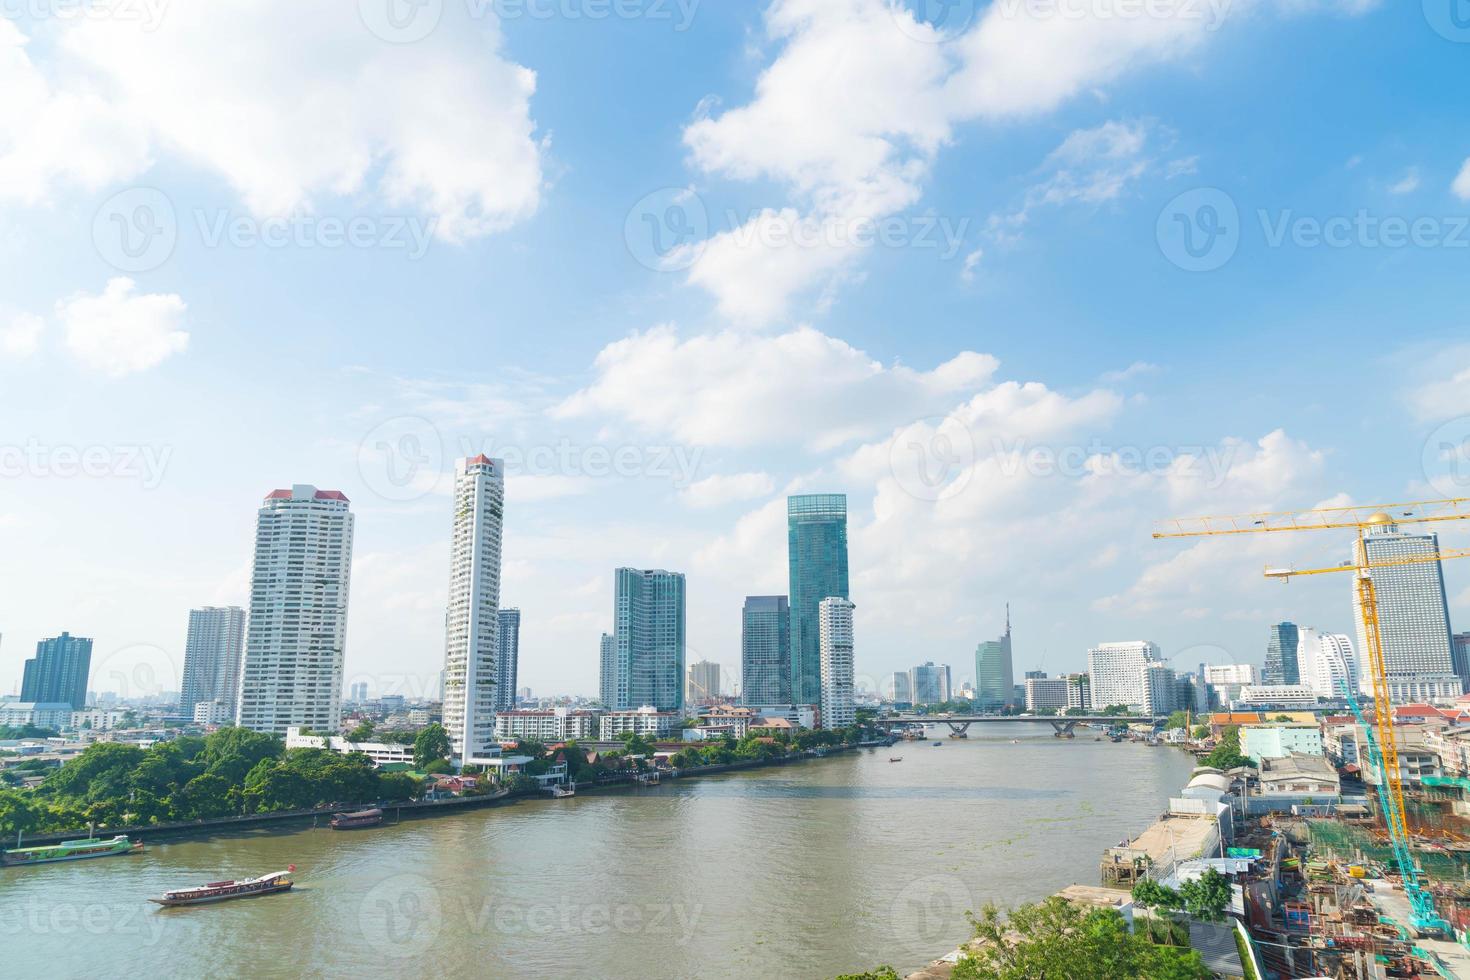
{"points": [[1115, 672], [994, 673], [929, 683], [1281, 655], [58, 673], [1326, 662], [1460, 651], [816, 554], [471, 647], [507, 658], [765, 650], [903, 691], [296, 636], [607, 675], [703, 685], [1413, 616], [834, 632], [212, 652], [648, 639]]}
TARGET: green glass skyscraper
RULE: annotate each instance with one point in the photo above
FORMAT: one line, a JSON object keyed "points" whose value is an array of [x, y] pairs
{"points": [[816, 552]]}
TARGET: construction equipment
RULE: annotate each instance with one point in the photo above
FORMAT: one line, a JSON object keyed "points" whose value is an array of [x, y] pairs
{"points": [[1384, 754]]}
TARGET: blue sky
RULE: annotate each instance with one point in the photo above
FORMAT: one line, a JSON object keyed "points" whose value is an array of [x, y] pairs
{"points": [[922, 236]]}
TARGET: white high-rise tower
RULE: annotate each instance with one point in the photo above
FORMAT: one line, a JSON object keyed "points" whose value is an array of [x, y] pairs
{"points": [[297, 634], [212, 651], [834, 633], [471, 627]]}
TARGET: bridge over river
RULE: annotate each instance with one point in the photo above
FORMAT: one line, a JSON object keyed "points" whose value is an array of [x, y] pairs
{"points": [[959, 725]]}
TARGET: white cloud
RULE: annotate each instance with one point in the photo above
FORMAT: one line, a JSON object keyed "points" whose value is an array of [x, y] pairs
{"points": [[294, 105], [1461, 186], [119, 332], [48, 135], [727, 488], [852, 110], [1135, 370], [22, 336], [734, 389], [1407, 184], [972, 262]]}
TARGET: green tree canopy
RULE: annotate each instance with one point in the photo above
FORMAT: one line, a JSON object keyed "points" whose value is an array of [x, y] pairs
{"points": [[1058, 940], [430, 745]]}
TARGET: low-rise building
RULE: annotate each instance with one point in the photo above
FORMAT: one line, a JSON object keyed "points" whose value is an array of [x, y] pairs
{"points": [[97, 719], [213, 713], [1276, 695], [800, 715], [1299, 775], [381, 753], [54, 715], [647, 721], [551, 725], [1277, 741]]}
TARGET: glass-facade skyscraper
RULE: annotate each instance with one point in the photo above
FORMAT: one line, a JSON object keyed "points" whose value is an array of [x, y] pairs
{"points": [[648, 639], [58, 673], [212, 651], [994, 671], [816, 552], [507, 658], [1282, 665], [765, 650]]}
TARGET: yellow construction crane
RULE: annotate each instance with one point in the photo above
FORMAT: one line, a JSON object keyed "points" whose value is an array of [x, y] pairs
{"points": [[1360, 519]]}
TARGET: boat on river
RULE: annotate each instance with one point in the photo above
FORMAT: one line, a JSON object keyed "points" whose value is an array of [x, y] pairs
{"points": [[563, 791], [354, 821], [223, 891], [72, 850], [895, 758]]}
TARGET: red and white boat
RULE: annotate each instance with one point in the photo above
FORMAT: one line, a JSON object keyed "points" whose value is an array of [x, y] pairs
{"points": [[223, 891]]}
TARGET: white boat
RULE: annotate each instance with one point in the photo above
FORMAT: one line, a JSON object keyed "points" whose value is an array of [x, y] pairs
{"points": [[223, 891]]}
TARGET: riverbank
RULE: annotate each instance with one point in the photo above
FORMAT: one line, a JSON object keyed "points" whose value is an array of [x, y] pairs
{"points": [[410, 809]]}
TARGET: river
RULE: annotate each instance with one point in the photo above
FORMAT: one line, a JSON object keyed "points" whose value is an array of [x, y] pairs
{"points": [[807, 870]]}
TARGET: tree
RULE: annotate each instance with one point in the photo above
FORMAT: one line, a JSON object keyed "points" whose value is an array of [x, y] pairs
{"points": [[430, 745], [1116, 709], [1226, 753], [1206, 897], [1178, 719], [1201, 731], [1057, 939], [882, 973], [1151, 895], [18, 813], [362, 732]]}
